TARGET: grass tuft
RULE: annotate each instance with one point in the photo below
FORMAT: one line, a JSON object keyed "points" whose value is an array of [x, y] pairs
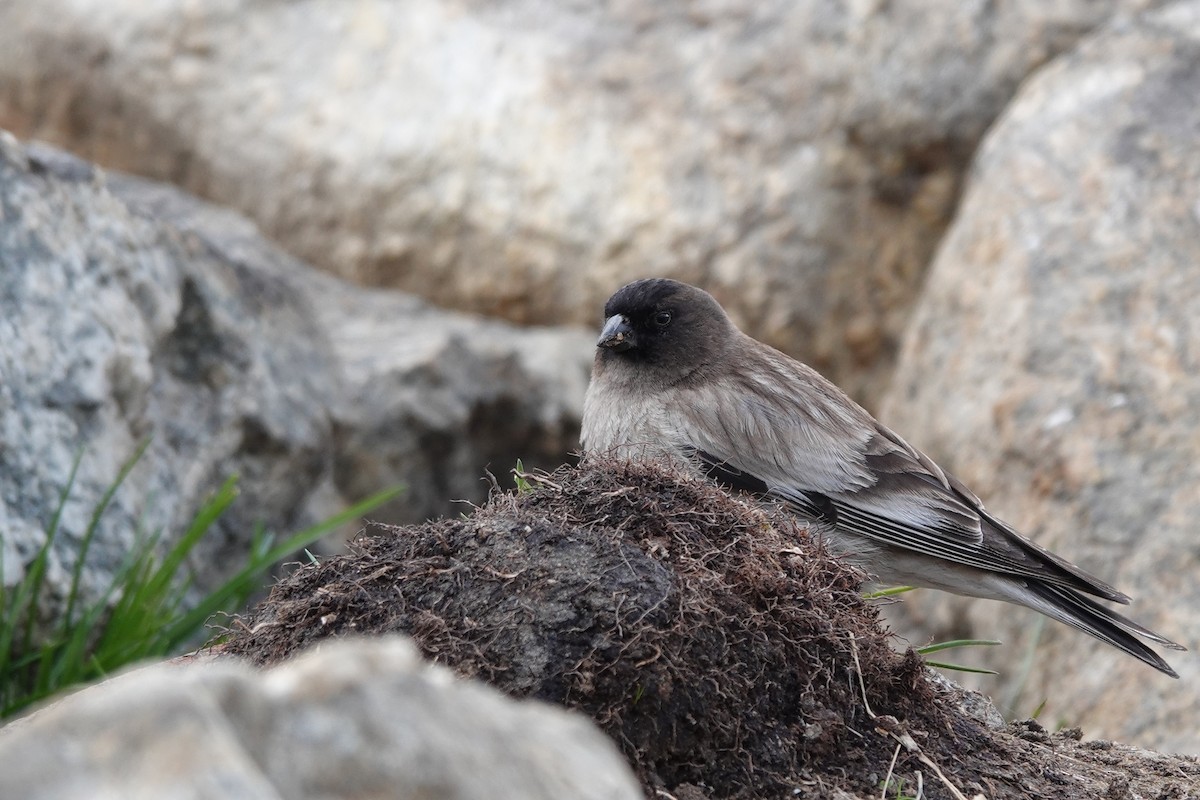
{"points": [[521, 478], [929, 649], [939, 646], [142, 614]]}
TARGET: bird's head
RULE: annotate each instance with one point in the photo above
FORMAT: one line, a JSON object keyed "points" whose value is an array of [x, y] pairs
{"points": [[666, 328]]}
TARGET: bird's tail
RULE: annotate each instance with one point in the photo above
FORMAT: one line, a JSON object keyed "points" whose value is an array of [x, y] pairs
{"points": [[1078, 611]]}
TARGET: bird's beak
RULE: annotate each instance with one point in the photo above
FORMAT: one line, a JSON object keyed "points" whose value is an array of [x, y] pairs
{"points": [[617, 334]]}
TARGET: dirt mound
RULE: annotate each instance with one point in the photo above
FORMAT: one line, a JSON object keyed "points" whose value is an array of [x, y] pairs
{"points": [[720, 646]]}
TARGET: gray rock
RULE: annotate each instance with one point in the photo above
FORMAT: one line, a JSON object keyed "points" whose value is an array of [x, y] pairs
{"points": [[972, 704], [1054, 365], [353, 719], [524, 158], [129, 310]]}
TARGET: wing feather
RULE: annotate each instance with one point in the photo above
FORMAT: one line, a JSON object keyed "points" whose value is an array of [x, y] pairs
{"points": [[793, 432], [798, 433]]}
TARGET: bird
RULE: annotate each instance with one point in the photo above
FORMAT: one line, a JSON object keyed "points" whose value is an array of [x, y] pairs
{"points": [[673, 378]]}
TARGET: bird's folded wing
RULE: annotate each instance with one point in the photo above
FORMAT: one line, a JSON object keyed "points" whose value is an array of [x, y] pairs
{"points": [[798, 437], [795, 432]]}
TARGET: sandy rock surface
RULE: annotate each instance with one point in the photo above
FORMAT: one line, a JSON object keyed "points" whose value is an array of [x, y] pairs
{"points": [[1054, 366], [524, 158]]}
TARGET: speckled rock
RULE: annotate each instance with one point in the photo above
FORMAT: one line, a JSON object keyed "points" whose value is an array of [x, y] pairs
{"points": [[1054, 365], [129, 311], [525, 158]]}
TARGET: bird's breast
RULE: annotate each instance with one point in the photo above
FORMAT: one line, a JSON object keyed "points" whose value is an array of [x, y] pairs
{"points": [[628, 423]]}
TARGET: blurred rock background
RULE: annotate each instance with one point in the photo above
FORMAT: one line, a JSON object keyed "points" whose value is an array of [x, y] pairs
{"points": [[522, 158], [807, 163]]}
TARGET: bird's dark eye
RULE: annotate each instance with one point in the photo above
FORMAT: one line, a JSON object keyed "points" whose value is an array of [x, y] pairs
{"points": [[662, 319]]}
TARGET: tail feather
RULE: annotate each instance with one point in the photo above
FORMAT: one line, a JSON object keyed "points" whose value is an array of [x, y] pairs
{"points": [[1084, 613], [1058, 569]]}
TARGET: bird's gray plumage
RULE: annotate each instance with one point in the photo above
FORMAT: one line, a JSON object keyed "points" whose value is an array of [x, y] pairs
{"points": [[673, 377]]}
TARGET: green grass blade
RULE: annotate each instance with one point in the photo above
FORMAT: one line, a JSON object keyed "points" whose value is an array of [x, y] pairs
{"points": [[519, 478], [68, 664], [156, 595], [139, 614], [125, 627], [953, 643], [209, 513], [85, 544], [5, 630], [950, 645], [17, 662], [71, 662], [961, 668], [1037, 712], [31, 586], [244, 581], [888, 592]]}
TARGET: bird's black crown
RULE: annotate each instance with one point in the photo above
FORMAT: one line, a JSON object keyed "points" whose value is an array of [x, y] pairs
{"points": [[668, 327], [641, 297]]}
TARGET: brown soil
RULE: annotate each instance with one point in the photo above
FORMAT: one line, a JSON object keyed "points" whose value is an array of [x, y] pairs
{"points": [[725, 652]]}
